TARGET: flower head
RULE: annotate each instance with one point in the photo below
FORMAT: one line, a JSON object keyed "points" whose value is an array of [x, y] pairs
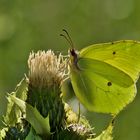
{"points": [[46, 69]]}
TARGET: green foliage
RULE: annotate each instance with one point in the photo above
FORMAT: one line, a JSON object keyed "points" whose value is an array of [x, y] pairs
{"points": [[13, 118], [13, 113], [40, 124], [32, 135]]}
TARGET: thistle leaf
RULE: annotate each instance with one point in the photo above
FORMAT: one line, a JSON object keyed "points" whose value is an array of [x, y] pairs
{"points": [[32, 136], [40, 124], [13, 114]]}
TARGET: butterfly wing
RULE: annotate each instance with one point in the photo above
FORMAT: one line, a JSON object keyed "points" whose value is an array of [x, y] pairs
{"points": [[123, 55], [98, 90], [105, 81]]}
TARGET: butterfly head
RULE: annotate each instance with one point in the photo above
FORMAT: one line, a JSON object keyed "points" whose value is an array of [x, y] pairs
{"points": [[74, 58], [73, 52]]}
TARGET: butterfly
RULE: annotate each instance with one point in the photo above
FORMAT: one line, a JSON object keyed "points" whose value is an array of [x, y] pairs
{"points": [[104, 76]]}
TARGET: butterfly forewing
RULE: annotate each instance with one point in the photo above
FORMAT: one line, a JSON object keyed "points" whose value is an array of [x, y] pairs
{"points": [[124, 55]]}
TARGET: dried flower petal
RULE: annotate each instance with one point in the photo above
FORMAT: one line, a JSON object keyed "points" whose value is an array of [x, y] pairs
{"points": [[46, 69]]}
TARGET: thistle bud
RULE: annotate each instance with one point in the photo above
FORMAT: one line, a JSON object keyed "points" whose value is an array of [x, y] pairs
{"points": [[46, 74]]}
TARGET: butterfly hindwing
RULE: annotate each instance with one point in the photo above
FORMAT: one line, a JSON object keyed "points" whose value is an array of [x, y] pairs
{"points": [[99, 93]]}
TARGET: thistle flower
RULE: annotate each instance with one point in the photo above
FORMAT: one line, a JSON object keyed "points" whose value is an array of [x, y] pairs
{"points": [[46, 69], [46, 74]]}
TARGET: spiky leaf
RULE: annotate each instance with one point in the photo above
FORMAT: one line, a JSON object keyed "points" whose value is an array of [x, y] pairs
{"points": [[40, 124]]}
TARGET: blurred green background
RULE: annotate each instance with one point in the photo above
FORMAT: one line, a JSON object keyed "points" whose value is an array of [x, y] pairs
{"points": [[27, 25]]}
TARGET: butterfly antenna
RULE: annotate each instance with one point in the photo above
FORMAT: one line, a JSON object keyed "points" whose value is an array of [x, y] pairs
{"points": [[72, 45], [68, 38]]}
